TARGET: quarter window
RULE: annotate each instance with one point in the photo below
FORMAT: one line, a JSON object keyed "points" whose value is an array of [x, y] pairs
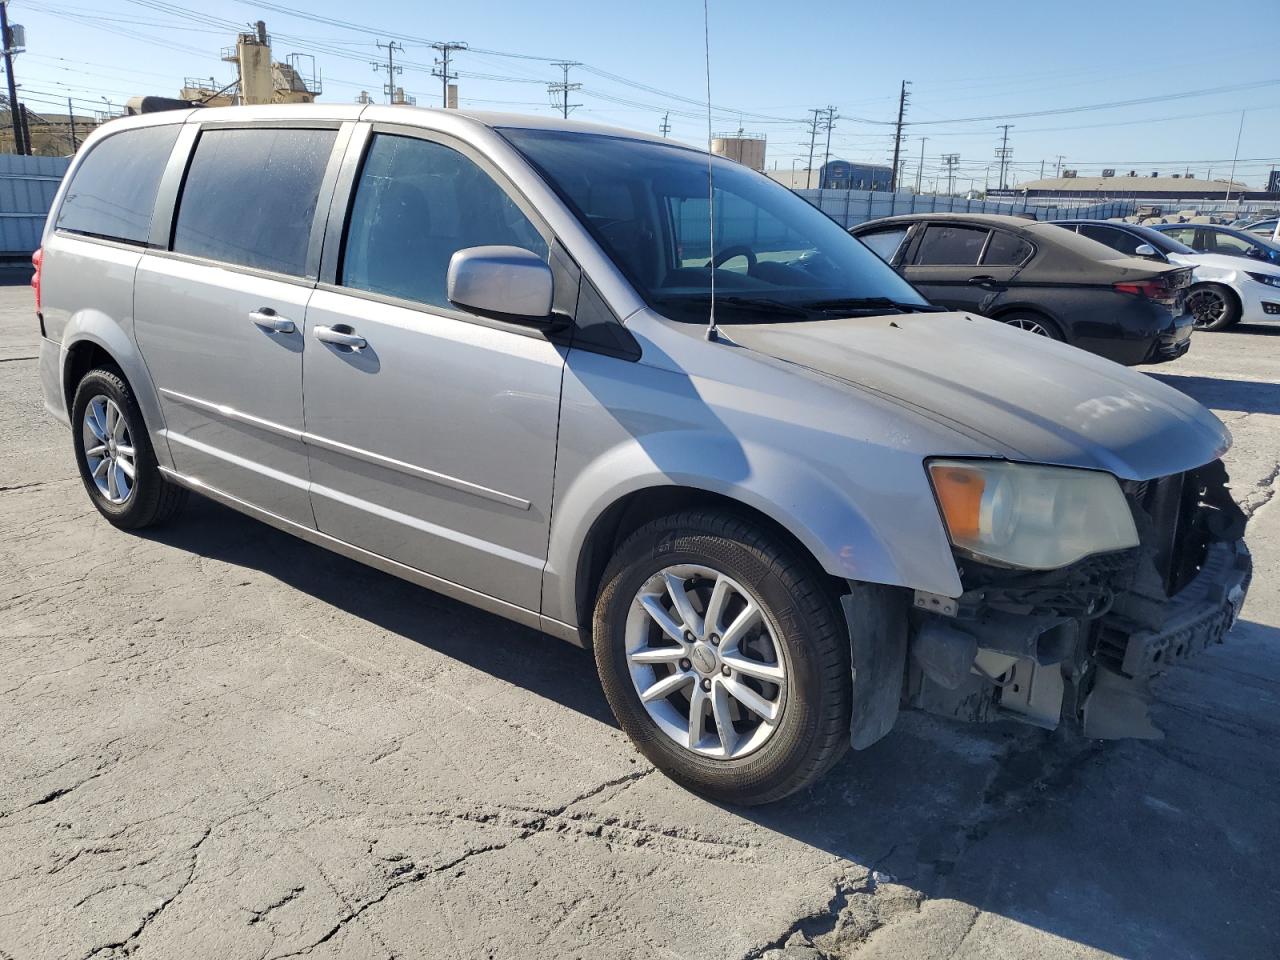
{"points": [[416, 204], [250, 197], [885, 243], [114, 189], [950, 246], [1006, 250]]}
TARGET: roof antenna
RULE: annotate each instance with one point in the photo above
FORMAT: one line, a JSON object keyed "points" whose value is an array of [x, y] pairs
{"points": [[711, 193]]}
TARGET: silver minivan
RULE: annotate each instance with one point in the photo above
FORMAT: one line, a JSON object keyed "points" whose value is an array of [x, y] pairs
{"points": [[474, 351]]}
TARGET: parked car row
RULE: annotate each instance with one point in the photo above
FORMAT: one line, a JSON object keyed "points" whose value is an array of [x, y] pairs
{"points": [[1225, 288], [1043, 279]]}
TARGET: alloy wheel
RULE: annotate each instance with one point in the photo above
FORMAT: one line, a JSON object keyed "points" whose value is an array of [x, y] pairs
{"points": [[108, 449], [705, 661], [1207, 307], [1029, 325]]}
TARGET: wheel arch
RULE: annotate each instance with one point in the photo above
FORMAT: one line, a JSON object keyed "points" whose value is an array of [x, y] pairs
{"points": [[91, 339], [1008, 310], [633, 510]]}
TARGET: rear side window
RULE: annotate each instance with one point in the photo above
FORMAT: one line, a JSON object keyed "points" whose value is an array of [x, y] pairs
{"points": [[950, 246], [250, 197], [114, 189], [416, 204], [1113, 238], [1006, 250]]}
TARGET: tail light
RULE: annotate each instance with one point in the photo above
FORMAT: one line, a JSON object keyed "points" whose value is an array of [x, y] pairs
{"points": [[37, 258], [1156, 289]]}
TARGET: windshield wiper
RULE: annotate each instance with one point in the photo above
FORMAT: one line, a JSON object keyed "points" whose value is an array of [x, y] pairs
{"points": [[871, 303], [761, 304]]}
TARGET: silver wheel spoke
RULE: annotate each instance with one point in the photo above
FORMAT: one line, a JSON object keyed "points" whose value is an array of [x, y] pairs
{"points": [[750, 699], [93, 422], [753, 668], [697, 710], [101, 469], [680, 600], [744, 621], [724, 720], [99, 451], [654, 608], [657, 655], [720, 594], [666, 686], [124, 450], [113, 491], [125, 467]]}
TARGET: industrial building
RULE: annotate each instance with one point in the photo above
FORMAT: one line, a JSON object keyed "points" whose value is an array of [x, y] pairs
{"points": [[1131, 186], [835, 175]]}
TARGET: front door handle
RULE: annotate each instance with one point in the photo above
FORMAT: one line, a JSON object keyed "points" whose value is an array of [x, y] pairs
{"points": [[982, 281], [269, 320], [342, 338]]}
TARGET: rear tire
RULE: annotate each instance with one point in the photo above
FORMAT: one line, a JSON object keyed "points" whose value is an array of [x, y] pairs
{"points": [[1214, 306], [792, 662], [110, 441]]}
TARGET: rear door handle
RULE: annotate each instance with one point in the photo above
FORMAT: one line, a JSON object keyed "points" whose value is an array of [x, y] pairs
{"points": [[268, 319], [343, 338]]}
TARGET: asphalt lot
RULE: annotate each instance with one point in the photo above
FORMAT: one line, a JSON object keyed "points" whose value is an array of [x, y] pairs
{"points": [[217, 741]]}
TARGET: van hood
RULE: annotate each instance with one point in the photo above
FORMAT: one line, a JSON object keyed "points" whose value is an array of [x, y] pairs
{"points": [[1031, 398]]}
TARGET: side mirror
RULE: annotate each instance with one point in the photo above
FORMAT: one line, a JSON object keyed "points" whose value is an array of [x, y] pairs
{"points": [[1148, 251], [1256, 253], [506, 283]]}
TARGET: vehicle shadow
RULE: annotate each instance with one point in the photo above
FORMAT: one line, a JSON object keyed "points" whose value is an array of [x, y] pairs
{"points": [[544, 665], [1104, 845], [1247, 396]]}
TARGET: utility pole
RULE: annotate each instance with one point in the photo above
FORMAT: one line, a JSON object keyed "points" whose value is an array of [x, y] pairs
{"points": [[19, 144], [830, 122], [1004, 152], [442, 71], [1058, 171], [665, 127], [560, 91], [71, 118], [1041, 169], [897, 135], [920, 171], [813, 138], [392, 49], [951, 159]]}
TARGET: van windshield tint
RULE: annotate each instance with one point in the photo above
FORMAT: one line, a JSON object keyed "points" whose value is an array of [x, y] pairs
{"points": [[776, 256], [113, 191]]}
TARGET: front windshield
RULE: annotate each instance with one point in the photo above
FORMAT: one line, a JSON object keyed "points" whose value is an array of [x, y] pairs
{"points": [[776, 256]]}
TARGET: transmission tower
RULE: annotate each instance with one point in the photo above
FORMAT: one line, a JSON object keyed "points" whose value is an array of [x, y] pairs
{"points": [[1003, 153]]}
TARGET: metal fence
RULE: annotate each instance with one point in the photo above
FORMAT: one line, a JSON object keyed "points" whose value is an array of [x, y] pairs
{"points": [[27, 186], [851, 207]]}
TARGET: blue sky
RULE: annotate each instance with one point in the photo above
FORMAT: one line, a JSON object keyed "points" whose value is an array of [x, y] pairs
{"points": [[771, 63]]}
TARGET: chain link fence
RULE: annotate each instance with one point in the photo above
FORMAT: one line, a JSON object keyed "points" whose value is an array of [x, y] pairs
{"points": [[851, 207]]}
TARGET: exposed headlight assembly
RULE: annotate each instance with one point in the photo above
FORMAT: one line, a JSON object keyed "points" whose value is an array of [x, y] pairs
{"points": [[1025, 515], [1269, 279]]}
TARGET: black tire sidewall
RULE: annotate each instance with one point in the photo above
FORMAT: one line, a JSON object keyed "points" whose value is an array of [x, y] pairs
{"points": [[784, 758], [139, 509]]}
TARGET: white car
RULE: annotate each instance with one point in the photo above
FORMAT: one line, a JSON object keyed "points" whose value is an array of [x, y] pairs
{"points": [[1225, 289]]}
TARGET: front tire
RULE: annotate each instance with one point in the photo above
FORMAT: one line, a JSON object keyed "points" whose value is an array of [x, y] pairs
{"points": [[724, 656], [113, 451], [1032, 323]]}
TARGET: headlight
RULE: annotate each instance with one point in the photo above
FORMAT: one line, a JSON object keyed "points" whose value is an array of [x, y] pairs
{"points": [[1267, 278], [1024, 515]]}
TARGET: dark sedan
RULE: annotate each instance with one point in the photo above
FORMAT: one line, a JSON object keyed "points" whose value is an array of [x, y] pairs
{"points": [[1043, 279]]}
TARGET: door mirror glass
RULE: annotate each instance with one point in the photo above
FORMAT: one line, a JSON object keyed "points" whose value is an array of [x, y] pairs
{"points": [[507, 283]]}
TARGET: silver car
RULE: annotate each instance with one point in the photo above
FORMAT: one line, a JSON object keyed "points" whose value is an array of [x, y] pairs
{"points": [[474, 351]]}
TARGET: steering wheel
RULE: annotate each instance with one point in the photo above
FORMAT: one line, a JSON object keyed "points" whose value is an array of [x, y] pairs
{"points": [[739, 250]]}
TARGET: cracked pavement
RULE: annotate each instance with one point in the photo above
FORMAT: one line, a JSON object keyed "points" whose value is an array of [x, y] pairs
{"points": [[217, 741]]}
